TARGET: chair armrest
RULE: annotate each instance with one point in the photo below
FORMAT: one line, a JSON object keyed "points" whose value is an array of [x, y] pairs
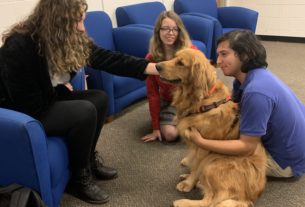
{"points": [[133, 39], [237, 17], [23, 153], [200, 29], [79, 80]]}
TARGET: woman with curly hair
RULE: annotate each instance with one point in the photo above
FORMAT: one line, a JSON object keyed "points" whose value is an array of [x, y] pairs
{"points": [[37, 59], [169, 36]]}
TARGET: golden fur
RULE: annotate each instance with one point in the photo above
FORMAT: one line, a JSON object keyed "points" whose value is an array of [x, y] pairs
{"points": [[226, 181]]}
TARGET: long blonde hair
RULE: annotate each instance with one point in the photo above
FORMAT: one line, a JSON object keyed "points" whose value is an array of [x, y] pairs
{"points": [[156, 48], [53, 24]]}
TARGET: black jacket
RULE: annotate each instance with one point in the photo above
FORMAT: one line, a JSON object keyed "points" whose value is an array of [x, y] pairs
{"points": [[25, 83]]}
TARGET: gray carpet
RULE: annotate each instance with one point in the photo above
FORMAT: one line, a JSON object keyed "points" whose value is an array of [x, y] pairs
{"points": [[149, 172]]}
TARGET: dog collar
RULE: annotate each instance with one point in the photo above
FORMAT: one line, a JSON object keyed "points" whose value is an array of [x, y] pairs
{"points": [[206, 108], [212, 89]]}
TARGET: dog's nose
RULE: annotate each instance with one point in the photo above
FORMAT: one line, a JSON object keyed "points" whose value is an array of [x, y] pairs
{"points": [[158, 67]]}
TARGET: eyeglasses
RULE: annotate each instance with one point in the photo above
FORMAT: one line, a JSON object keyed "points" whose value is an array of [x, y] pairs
{"points": [[168, 30]]}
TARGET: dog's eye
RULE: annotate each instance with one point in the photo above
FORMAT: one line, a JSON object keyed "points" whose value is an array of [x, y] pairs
{"points": [[179, 63]]}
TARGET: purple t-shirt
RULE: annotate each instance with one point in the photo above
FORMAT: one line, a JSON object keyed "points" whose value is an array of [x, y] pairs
{"points": [[268, 108]]}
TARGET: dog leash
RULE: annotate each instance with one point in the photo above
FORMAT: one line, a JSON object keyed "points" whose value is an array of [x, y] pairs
{"points": [[206, 108]]}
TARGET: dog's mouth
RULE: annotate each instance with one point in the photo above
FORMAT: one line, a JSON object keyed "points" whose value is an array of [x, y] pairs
{"points": [[175, 81]]}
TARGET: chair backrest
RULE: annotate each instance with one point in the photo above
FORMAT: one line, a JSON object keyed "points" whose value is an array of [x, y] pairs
{"points": [[135, 40], [121, 91], [99, 27], [208, 7], [201, 32], [142, 13]]}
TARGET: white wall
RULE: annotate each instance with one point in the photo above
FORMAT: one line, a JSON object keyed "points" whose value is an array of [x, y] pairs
{"points": [[110, 6], [11, 11], [277, 17]]}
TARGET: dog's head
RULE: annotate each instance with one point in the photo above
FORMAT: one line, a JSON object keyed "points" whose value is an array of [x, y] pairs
{"points": [[189, 69]]}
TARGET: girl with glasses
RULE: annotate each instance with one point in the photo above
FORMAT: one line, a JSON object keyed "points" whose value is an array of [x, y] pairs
{"points": [[169, 36]]}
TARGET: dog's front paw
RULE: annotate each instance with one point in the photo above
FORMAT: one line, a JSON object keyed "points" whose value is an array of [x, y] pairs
{"points": [[185, 162], [184, 186], [184, 176], [187, 134], [181, 203], [199, 185]]}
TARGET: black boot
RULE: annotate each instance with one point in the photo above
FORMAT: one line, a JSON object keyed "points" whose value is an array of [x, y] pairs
{"points": [[100, 171], [82, 186]]}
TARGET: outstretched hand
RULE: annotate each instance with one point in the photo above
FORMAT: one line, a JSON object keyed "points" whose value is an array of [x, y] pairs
{"points": [[151, 69], [156, 134]]}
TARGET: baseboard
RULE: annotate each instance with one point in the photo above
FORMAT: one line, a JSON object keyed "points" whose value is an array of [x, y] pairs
{"points": [[282, 38]]}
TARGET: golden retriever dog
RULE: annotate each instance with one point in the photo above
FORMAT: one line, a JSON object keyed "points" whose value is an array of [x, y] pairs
{"points": [[203, 102]]}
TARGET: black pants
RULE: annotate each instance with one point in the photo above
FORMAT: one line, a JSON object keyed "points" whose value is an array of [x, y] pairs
{"points": [[79, 117]]}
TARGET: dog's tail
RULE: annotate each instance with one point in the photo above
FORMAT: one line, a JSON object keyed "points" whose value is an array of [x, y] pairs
{"points": [[234, 203]]}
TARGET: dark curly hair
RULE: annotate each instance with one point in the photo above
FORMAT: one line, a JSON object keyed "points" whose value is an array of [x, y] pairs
{"points": [[248, 47]]}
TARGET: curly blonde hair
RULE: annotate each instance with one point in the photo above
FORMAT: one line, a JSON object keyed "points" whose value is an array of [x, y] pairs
{"points": [[53, 24], [156, 48]]}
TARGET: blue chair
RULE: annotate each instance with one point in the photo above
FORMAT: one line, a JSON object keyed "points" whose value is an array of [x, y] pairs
{"points": [[139, 13], [121, 91], [202, 35], [225, 18], [79, 80], [30, 158], [200, 31]]}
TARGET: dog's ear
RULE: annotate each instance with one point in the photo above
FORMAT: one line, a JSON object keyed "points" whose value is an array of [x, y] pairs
{"points": [[200, 84], [210, 72]]}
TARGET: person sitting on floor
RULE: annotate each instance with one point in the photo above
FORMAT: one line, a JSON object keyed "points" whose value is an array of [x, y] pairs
{"points": [[269, 111], [169, 36]]}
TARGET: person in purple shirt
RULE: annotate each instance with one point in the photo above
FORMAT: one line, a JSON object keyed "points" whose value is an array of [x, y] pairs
{"points": [[269, 111]]}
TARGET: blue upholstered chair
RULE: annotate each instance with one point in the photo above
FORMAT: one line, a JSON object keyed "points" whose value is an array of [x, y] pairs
{"points": [[121, 91], [139, 13], [30, 158], [225, 18], [200, 30]]}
